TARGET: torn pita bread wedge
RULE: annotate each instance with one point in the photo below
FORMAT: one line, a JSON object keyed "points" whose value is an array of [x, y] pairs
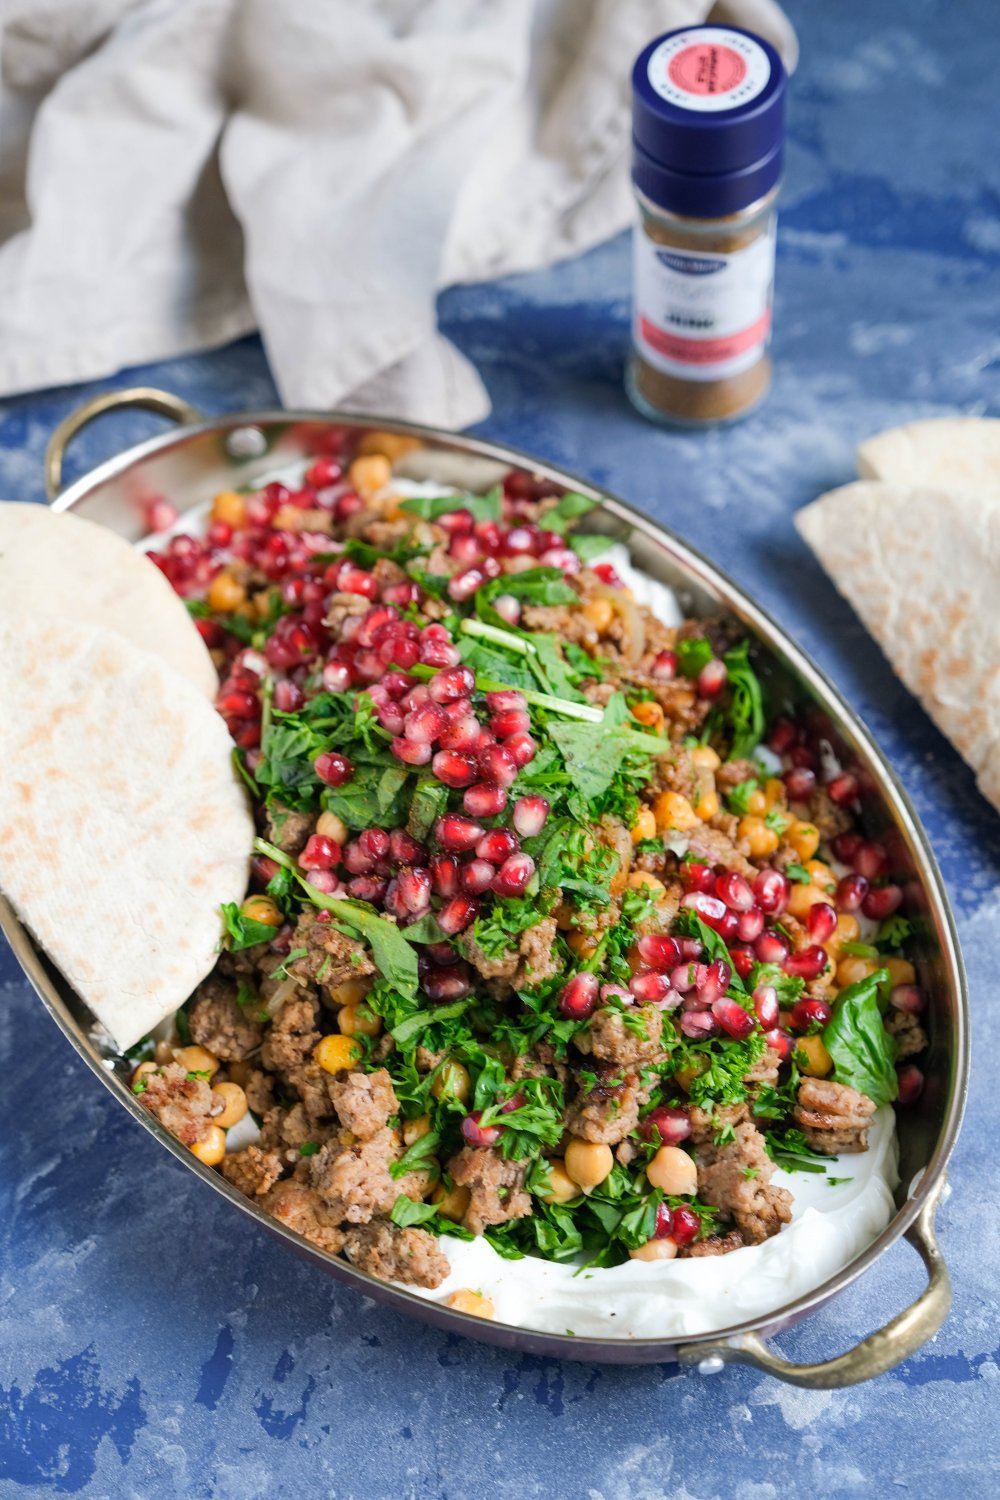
{"points": [[948, 453], [123, 823], [922, 569], [57, 564]]}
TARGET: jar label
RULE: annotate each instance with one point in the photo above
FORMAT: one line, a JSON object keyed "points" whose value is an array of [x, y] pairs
{"points": [[702, 315], [708, 68]]}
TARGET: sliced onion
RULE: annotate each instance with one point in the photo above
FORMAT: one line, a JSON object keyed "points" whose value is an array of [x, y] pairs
{"points": [[633, 643], [286, 989]]}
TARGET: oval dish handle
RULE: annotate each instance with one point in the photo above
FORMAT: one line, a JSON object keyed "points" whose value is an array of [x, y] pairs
{"points": [[882, 1350], [148, 397]]}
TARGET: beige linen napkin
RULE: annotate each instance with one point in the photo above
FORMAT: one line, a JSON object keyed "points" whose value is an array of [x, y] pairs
{"points": [[174, 173]]}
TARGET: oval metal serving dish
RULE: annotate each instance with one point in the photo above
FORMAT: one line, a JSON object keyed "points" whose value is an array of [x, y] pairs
{"points": [[189, 465]]}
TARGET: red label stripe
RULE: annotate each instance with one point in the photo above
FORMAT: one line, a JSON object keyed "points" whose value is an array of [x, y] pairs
{"points": [[704, 351]]}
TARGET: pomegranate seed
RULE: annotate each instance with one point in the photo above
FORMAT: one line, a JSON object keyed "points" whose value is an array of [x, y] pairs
{"points": [[336, 676], [402, 594], [664, 666], [356, 858], [477, 876], [821, 922], [765, 1004], [715, 981], [686, 1225], [487, 534], [425, 723], [444, 870], [772, 891], [882, 902], [210, 631], [465, 549], [405, 849], [698, 877], [391, 718], [347, 506], [673, 1125], [807, 963], [508, 608], [870, 860], [663, 1226], [690, 948], [288, 697], [709, 908], [463, 585], [332, 768], [911, 1084], [497, 845], [400, 651], [685, 977], [843, 789], [452, 683], [438, 653], [245, 735], [712, 678], [325, 881], [529, 816], [447, 983], [160, 515], [781, 1042], [368, 888], [649, 986], [504, 699], [292, 643], [461, 734], [734, 891], [373, 623], [264, 869], [579, 997], [442, 954], [513, 875], [456, 522], [799, 784], [453, 769], [522, 747], [851, 892], [726, 926], [497, 765], [239, 704], [784, 734], [846, 845], [457, 834], [698, 1025], [771, 948], [505, 722], [374, 843], [411, 752], [732, 1018], [320, 853], [476, 1134], [484, 800], [809, 1015], [323, 472], [414, 887], [607, 574], [908, 998], [658, 951], [456, 915], [750, 925], [802, 758], [742, 960]]}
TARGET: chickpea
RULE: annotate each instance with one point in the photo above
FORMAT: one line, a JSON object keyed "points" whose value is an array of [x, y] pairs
{"points": [[226, 593], [212, 1149], [674, 1171], [671, 810], [817, 1061], [588, 1163], [583, 944], [230, 508], [370, 474], [847, 930], [803, 837], [644, 826], [231, 1102], [452, 1203], [685, 1077], [476, 1303], [901, 971], [262, 909], [163, 1053], [707, 806], [332, 827], [351, 991], [649, 713], [391, 445], [358, 1020], [195, 1059], [561, 1188], [655, 1250], [336, 1053], [821, 874], [757, 804], [851, 970], [802, 897], [415, 1130], [774, 792], [142, 1071], [600, 613], [640, 879], [705, 758], [761, 839], [422, 1179], [452, 1082]]}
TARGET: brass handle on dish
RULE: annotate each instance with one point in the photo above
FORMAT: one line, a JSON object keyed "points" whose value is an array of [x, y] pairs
{"points": [[145, 396], [881, 1351]]}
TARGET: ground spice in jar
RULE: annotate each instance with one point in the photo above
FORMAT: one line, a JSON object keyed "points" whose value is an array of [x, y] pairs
{"points": [[708, 137]]}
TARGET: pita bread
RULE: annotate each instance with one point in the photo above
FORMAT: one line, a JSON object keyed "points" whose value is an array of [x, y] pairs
{"points": [[948, 453], [123, 824], [51, 563]]}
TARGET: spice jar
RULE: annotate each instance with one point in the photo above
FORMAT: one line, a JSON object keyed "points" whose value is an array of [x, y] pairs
{"points": [[708, 109]]}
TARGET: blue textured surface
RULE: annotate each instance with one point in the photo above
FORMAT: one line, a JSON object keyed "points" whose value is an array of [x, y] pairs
{"points": [[151, 1342]]}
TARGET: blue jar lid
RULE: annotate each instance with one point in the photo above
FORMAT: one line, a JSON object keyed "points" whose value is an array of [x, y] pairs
{"points": [[708, 120]]}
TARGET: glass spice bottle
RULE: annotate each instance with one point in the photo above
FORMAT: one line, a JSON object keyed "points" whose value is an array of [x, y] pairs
{"points": [[708, 114]]}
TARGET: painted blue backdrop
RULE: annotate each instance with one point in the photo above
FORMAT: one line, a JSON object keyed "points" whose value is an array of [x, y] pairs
{"points": [[153, 1344]]}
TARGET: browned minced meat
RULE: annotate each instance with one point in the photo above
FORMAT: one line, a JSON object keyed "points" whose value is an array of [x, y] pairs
{"points": [[629, 1039], [537, 953], [182, 1105], [259, 1089], [252, 1170], [910, 1037], [756, 1207], [289, 1129], [495, 1185], [706, 1124], [288, 829], [540, 1062], [312, 1085], [409, 1255], [329, 953], [828, 817], [503, 967], [219, 1022], [568, 622], [765, 1069], [364, 1101], [715, 1244], [734, 772], [608, 1112], [292, 1035], [300, 1208], [834, 1117], [355, 1180], [716, 848]]}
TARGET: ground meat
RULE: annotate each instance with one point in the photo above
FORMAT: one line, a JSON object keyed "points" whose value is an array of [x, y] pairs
{"points": [[834, 1118], [292, 1036], [735, 772], [183, 1105], [355, 1181], [330, 956], [715, 1244], [259, 1089], [364, 1101], [757, 1209], [387, 573], [567, 621], [312, 1085], [706, 1124], [288, 1129], [828, 817], [629, 1039], [253, 1170], [301, 1209], [495, 1185], [219, 1022], [608, 1112], [765, 1070], [539, 960], [503, 967], [540, 1062], [287, 828], [909, 1035], [409, 1255], [715, 848]]}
